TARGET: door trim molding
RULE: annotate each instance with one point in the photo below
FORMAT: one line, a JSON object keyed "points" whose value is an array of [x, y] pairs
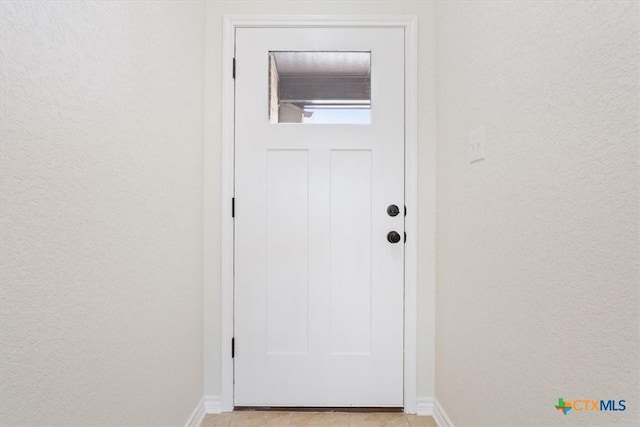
{"points": [[410, 26]]}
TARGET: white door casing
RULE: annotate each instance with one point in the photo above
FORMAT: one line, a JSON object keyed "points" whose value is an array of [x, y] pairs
{"points": [[318, 288], [409, 25]]}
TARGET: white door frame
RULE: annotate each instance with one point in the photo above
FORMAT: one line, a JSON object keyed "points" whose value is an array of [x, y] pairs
{"points": [[410, 26]]}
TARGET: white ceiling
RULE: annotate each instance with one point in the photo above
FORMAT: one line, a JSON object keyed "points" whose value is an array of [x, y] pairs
{"points": [[323, 63]]}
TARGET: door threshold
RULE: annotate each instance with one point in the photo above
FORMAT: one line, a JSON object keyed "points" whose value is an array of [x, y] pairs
{"points": [[356, 409]]}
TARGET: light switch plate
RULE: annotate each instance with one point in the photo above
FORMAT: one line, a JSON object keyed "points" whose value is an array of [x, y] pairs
{"points": [[476, 144]]}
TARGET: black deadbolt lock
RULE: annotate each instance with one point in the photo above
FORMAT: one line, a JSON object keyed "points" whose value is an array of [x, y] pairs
{"points": [[393, 237], [393, 210]]}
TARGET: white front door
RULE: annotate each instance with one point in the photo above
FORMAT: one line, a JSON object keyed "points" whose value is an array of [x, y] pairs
{"points": [[319, 148]]}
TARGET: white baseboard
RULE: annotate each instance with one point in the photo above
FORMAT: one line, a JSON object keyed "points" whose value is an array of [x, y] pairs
{"points": [[441, 418], [424, 406], [196, 416], [212, 404]]}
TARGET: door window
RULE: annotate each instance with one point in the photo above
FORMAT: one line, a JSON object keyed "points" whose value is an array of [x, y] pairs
{"points": [[320, 87]]}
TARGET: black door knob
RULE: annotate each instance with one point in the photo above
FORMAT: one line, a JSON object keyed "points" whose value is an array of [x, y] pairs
{"points": [[393, 237], [393, 210]]}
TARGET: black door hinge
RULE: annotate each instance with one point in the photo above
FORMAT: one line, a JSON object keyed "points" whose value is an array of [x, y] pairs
{"points": [[233, 207], [233, 348], [234, 68], [405, 237]]}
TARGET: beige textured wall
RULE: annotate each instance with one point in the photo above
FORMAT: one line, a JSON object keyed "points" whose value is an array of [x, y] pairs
{"points": [[538, 245], [215, 11], [101, 116]]}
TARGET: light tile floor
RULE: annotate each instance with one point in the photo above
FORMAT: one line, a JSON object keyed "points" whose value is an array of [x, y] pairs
{"points": [[316, 419]]}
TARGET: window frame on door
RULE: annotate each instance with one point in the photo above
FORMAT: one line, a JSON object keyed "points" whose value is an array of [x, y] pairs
{"points": [[410, 25]]}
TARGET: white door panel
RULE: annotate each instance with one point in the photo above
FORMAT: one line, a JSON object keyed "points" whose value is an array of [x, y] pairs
{"points": [[318, 288]]}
